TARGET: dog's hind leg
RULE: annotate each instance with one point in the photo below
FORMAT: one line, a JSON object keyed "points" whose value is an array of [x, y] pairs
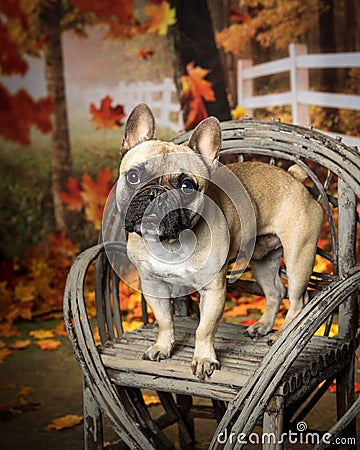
{"points": [[299, 262], [266, 272]]}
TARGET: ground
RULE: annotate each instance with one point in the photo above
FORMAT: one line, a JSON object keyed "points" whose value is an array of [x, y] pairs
{"points": [[55, 379]]}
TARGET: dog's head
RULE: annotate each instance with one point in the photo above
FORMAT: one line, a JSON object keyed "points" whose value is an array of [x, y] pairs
{"points": [[161, 184]]}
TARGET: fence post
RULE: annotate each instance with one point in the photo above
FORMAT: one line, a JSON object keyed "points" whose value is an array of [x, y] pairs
{"points": [[245, 86], [166, 101], [299, 81]]}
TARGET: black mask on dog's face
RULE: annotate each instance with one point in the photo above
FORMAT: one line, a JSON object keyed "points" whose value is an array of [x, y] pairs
{"points": [[164, 209]]}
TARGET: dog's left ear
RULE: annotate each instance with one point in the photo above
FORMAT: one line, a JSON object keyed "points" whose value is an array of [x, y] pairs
{"points": [[206, 140], [140, 127]]}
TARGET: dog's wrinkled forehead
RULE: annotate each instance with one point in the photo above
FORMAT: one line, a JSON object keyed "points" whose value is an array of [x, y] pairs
{"points": [[158, 158]]}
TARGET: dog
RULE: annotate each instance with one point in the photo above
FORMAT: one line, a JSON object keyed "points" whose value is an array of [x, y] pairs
{"points": [[171, 206]]}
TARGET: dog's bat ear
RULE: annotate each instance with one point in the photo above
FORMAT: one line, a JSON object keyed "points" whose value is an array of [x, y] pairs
{"points": [[206, 140], [140, 127]]}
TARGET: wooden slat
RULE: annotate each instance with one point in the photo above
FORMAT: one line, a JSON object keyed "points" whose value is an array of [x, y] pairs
{"points": [[239, 355]]}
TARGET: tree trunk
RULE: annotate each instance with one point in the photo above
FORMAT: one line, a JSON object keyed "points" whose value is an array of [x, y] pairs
{"points": [[328, 44], [352, 32], [219, 13], [61, 167], [192, 39]]}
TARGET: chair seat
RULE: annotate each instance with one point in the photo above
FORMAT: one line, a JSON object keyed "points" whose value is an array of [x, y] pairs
{"points": [[238, 354]]}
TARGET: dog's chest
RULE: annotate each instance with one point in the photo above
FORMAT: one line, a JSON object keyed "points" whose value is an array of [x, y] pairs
{"points": [[173, 264]]}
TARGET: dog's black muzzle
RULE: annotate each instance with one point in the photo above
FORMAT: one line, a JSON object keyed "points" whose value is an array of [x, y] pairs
{"points": [[155, 210]]}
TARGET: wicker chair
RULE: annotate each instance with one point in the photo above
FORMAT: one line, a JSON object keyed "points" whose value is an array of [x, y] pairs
{"points": [[274, 387]]}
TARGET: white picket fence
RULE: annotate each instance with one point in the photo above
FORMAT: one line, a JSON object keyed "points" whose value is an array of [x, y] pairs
{"points": [[162, 99], [300, 97]]}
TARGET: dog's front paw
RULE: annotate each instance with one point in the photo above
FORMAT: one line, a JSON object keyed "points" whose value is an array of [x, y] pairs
{"points": [[259, 328], [204, 367], [157, 352]]}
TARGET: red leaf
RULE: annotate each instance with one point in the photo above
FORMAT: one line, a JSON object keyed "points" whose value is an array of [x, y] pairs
{"points": [[121, 10], [72, 197], [19, 112], [11, 61], [95, 194], [144, 54], [237, 17]]}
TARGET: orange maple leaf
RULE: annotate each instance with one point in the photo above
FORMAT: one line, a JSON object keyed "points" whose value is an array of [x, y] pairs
{"points": [[72, 197], [48, 344], [195, 89], [94, 194], [107, 116], [69, 421], [161, 17]]}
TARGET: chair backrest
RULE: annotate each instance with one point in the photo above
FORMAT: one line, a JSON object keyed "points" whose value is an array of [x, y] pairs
{"points": [[333, 171]]}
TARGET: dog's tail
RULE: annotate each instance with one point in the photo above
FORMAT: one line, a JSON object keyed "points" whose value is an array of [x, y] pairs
{"points": [[297, 172]]}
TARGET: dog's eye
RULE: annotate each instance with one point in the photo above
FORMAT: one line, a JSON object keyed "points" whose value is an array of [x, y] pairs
{"points": [[133, 177], [187, 186]]}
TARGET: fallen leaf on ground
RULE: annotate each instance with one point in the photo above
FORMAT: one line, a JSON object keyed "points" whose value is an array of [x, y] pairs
{"points": [[8, 330], [42, 334], [69, 421], [151, 399], [48, 344], [332, 387], [19, 344], [4, 352]]}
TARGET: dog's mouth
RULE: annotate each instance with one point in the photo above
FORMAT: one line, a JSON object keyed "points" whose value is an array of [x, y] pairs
{"points": [[157, 212]]}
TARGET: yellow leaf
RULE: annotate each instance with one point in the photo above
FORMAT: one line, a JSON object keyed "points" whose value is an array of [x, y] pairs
{"points": [[238, 113], [24, 292], [42, 334], [232, 39], [133, 325], [161, 17], [151, 399], [48, 344], [333, 330], [69, 421]]}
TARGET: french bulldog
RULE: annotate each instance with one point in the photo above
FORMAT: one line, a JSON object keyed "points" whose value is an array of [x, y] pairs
{"points": [[181, 225]]}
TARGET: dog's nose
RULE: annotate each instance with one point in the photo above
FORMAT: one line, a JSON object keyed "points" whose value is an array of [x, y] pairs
{"points": [[157, 196]]}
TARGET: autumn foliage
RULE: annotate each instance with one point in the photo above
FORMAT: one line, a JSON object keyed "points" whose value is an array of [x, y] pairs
{"points": [[196, 89], [107, 116], [90, 195]]}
